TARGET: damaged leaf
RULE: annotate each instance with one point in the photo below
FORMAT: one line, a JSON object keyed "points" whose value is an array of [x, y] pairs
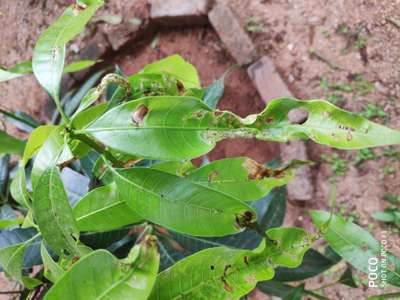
{"points": [[226, 273], [185, 127], [178, 204], [100, 275]]}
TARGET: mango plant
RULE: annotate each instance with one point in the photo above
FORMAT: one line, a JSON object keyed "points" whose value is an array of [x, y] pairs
{"points": [[148, 223]]}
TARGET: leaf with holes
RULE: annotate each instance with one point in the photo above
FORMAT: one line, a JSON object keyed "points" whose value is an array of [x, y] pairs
{"points": [[175, 128], [102, 210], [224, 273], [53, 214], [100, 275], [180, 205]]}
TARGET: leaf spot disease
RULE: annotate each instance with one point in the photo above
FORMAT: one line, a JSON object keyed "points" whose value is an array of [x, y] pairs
{"points": [[227, 287], [212, 175], [139, 114]]}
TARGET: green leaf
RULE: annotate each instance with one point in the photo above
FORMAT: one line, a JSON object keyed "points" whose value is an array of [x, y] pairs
{"points": [[18, 187], [16, 71], [385, 296], [53, 214], [313, 263], [100, 275], [347, 278], [36, 140], [275, 211], [12, 258], [185, 127], [10, 144], [52, 271], [102, 210], [383, 216], [216, 90], [224, 273], [49, 52], [4, 224], [80, 65], [326, 124], [178, 204], [55, 151], [240, 177], [355, 245], [295, 294], [175, 65]]}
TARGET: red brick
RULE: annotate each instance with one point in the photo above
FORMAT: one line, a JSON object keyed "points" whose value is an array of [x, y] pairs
{"points": [[179, 12], [234, 37]]}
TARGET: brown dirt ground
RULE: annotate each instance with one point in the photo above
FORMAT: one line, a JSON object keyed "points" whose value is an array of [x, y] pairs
{"points": [[290, 29]]}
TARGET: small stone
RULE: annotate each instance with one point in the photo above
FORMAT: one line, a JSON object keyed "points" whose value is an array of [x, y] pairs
{"points": [[234, 37], [267, 80], [178, 12]]}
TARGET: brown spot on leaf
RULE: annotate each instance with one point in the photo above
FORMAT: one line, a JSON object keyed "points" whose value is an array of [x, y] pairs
{"points": [[226, 268], [269, 120], [256, 170], [217, 113], [246, 260], [180, 87], [139, 114], [349, 136], [77, 8], [212, 267], [227, 287], [212, 175]]}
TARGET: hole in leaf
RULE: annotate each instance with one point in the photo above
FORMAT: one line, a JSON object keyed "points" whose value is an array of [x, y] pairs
{"points": [[298, 116]]}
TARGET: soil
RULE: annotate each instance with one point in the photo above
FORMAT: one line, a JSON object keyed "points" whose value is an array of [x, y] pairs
{"points": [[349, 38]]}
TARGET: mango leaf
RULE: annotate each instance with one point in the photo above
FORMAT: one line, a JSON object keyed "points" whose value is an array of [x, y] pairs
{"points": [[313, 263], [18, 187], [295, 294], [180, 205], [102, 210], [175, 246], [49, 53], [80, 65], [10, 144], [100, 275], [356, 245], [55, 151], [52, 271], [385, 296], [8, 218], [284, 291], [16, 71], [12, 259], [224, 273], [347, 278], [240, 177], [175, 65], [36, 141], [143, 84], [215, 91], [53, 214], [185, 127]]}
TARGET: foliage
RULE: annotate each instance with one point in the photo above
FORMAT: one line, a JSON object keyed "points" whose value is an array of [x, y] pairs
{"points": [[113, 207]]}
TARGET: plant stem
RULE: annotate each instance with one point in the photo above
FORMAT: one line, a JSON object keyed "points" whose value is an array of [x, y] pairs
{"points": [[64, 117], [96, 146]]}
